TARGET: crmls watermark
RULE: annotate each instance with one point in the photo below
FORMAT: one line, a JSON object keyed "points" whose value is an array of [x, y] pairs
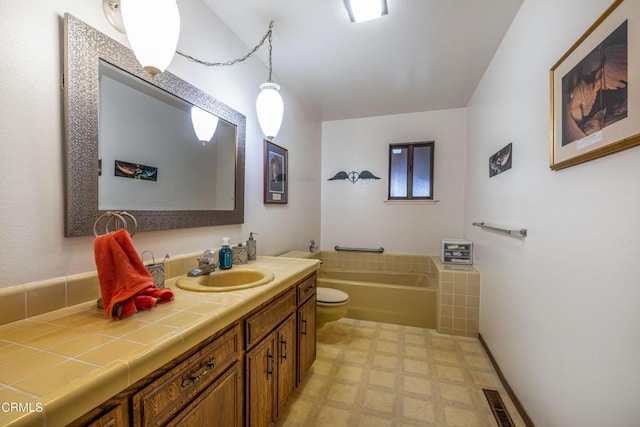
{"points": [[6, 407]]}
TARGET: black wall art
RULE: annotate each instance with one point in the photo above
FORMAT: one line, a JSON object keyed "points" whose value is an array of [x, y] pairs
{"points": [[501, 161]]}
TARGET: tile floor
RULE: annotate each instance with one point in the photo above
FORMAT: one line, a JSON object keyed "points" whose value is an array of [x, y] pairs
{"points": [[379, 374]]}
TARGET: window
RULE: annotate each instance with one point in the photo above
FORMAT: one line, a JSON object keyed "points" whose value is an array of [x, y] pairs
{"points": [[411, 171]]}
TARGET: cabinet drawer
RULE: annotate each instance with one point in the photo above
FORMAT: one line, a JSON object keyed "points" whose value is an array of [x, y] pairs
{"points": [[158, 402], [264, 321], [306, 289]]}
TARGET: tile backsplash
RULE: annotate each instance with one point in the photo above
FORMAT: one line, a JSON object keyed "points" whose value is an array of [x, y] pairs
{"points": [[31, 299], [458, 300]]}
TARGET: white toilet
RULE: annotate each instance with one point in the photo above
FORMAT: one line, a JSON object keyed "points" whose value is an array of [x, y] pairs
{"points": [[331, 305]]}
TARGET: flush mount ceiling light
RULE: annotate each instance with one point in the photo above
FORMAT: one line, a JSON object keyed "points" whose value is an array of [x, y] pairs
{"points": [[153, 27], [365, 10]]}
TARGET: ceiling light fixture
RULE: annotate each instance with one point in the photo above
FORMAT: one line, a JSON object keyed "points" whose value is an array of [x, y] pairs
{"points": [[365, 10], [163, 16]]}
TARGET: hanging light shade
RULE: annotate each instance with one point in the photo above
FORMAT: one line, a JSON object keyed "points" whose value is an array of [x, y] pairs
{"points": [[270, 109], [152, 27], [204, 124]]}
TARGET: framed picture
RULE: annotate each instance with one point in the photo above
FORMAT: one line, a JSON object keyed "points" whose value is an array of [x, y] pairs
{"points": [[501, 161], [594, 112], [276, 165]]}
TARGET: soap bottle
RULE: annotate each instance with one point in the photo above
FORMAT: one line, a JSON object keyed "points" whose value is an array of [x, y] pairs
{"points": [[225, 255], [251, 247]]}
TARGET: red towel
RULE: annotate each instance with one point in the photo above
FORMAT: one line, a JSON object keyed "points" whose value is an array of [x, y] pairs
{"points": [[125, 283]]}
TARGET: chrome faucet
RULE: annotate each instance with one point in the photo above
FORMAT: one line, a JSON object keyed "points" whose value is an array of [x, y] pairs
{"points": [[205, 264]]}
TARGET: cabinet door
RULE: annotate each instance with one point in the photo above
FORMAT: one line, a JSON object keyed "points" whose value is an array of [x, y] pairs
{"points": [[261, 382], [219, 405], [286, 361], [306, 337]]}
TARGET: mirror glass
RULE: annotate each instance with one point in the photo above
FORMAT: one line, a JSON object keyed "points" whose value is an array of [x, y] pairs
{"points": [[131, 145], [145, 134]]}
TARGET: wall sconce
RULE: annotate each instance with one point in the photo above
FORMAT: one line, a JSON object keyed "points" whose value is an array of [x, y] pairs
{"points": [[365, 10], [153, 28], [204, 124]]}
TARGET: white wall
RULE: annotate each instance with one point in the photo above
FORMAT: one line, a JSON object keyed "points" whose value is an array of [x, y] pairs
{"points": [[32, 242], [355, 214], [559, 309]]}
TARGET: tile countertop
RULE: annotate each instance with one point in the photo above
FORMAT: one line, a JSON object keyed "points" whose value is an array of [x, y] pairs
{"points": [[57, 366]]}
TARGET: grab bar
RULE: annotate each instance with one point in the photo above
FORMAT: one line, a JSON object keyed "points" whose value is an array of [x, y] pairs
{"points": [[520, 233], [375, 250]]}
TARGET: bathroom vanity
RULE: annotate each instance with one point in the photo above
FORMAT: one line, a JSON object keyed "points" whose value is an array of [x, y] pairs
{"points": [[230, 357], [207, 383]]}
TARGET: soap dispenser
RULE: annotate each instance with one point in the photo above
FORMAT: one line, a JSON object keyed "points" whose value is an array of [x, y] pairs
{"points": [[225, 255], [252, 251]]}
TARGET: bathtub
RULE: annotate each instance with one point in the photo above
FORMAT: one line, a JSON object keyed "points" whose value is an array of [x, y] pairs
{"points": [[400, 298]]}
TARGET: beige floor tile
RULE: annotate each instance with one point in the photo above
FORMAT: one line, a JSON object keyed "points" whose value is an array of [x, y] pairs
{"points": [[359, 357], [455, 393], [342, 393], [462, 417], [382, 379], [416, 366], [418, 410], [450, 373], [349, 373], [376, 400], [382, 361], [417, 385], [376, 374], [334, 417]]}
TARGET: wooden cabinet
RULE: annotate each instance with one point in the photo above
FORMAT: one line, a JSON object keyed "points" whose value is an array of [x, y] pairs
{"points": [[220, 404], [113, 417], [181, 387], [244, 374], [270, 359], [286, 362], [306, 326], [306, 337]]}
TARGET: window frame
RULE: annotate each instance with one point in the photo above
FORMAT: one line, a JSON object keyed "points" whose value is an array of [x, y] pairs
{"points": [[410, 146]]}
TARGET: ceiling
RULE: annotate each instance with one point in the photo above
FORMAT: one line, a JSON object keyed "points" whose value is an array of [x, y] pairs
{"points": [[424, 55]]}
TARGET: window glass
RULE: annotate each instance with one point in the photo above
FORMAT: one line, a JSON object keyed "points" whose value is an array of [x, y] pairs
{"points": [[411, 171], [399, 171], [421, 184]]}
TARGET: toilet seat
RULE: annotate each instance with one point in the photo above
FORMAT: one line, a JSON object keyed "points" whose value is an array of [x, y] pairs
{"points": [[328, 297]]}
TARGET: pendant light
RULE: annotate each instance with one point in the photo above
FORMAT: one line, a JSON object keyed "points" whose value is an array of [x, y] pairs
{"points": [[152, 27], [269, 105], [204, 124]]}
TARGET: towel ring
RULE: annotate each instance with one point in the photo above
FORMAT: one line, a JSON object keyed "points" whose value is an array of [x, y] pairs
{"points": [[119, 222]]}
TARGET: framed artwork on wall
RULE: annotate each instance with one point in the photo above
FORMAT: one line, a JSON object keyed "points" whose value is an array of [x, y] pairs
{"points": [[595, 99], [501, 161], [276, 164]]}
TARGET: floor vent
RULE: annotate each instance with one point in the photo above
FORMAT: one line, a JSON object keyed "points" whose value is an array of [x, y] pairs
{"points": [[498, 409]]}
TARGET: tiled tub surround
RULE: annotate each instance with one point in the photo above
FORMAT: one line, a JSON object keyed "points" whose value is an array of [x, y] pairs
{"points": [[458, 287], [61, 357]]}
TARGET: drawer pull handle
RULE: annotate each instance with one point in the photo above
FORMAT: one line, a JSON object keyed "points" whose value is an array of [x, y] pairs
{"points": [[304, 327], [283, 349], [269, 363], [308, 288], [199, 373]]}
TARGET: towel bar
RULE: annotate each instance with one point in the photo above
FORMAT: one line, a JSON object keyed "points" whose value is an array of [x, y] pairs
{"points": [[374, 250], [520, 233]]}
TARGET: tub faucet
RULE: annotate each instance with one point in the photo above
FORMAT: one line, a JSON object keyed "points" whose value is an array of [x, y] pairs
{"points": [[205, 264]]}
